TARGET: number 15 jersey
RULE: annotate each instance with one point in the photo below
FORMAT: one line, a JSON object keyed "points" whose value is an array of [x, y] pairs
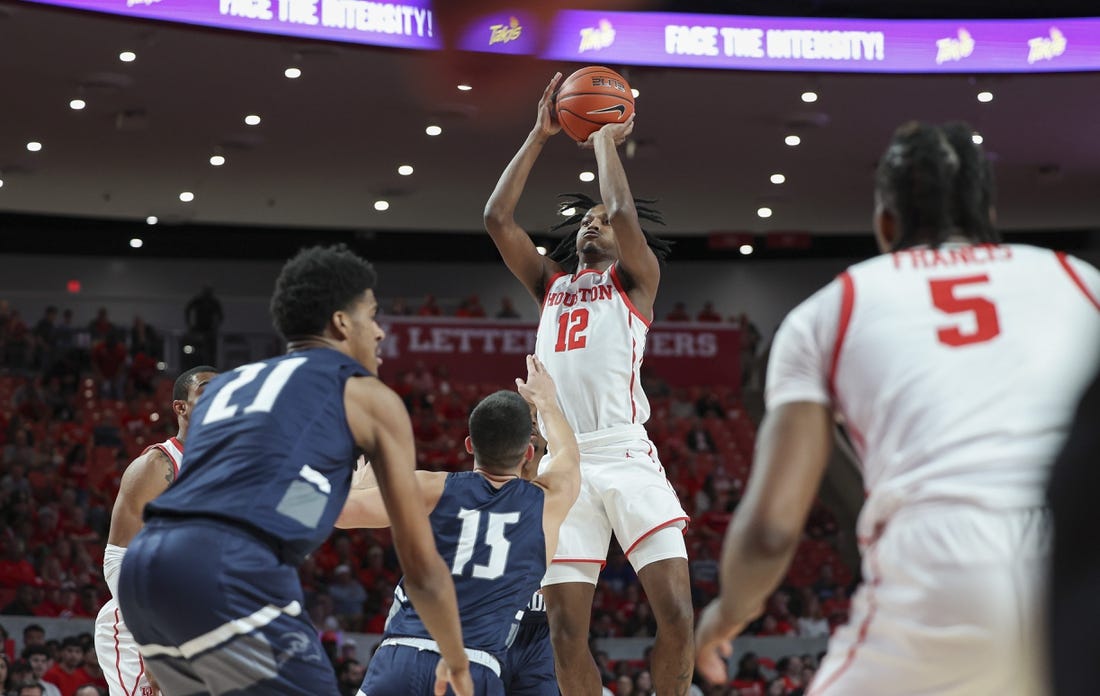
{"points": [[591, 339], [955, 370]]}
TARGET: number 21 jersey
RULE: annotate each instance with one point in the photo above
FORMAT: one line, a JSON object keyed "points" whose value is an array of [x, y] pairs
{"points": [[591, 339], [956, 370]]}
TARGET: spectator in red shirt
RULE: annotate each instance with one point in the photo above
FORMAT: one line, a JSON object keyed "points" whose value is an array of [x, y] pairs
{"points": [[429, 308], [748, 680], [679, 313], [15, 569], [375, 569], [108, 359], [24, 601], [101, 326], [471, 307], [68, 673], [708, 313]]}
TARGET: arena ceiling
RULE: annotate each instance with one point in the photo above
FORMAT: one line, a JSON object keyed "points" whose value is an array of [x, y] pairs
{"points": [[330, 142]]}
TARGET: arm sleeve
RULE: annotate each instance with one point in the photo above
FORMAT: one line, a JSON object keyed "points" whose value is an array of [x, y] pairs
{"points": [[112, 563], [801, 355]]}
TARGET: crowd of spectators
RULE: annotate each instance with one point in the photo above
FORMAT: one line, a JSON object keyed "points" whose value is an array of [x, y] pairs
{"points": [[75, 412]]}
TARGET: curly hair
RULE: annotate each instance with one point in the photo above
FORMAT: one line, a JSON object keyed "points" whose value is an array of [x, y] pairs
{"points": [[565, 253], [313, 285]]}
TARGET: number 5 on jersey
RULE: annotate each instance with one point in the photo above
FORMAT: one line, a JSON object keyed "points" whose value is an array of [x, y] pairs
{"points": [[571, 327], [945, 298]]}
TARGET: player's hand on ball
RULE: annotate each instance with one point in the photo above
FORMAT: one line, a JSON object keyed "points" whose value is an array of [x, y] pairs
{"points": [[714, 643], [618, 132], [460, 680], [546, 124], [539, 388]]}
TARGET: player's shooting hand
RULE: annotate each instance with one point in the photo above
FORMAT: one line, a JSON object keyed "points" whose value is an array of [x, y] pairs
{"points": [[546, 123], [618, 132], [539, 388], [459, 679], [714, 642]]}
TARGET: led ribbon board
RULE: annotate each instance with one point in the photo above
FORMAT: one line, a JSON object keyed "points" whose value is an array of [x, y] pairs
{"points": [[661, 39]]}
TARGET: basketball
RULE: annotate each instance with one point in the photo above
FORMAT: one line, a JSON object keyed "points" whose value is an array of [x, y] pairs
{"points": [[591, 98]]}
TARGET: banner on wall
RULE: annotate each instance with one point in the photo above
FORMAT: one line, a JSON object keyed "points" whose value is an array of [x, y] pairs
{"points": [[491, 351], [665, 39]]}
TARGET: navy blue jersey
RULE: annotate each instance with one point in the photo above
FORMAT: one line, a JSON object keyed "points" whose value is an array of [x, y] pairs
{"points": [[269, 448], [536, 610], [493, 542]]}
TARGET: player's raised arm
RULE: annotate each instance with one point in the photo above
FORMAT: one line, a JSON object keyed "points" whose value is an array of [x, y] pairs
{"points": [[365, 509], [636, 262], [561, 478], [382, 429], [794, 446], [515, 246]]}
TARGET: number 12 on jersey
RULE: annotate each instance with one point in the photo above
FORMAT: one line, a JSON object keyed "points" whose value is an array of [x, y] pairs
{"points": [[571, 327]]}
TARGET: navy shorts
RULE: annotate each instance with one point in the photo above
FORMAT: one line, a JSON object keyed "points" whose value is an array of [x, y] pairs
{"points": [[401, 670], [216, 611], [528, 668]]}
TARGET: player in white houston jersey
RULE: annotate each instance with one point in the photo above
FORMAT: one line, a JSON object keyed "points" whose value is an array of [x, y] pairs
{"points": [[144, 479], [590, 330], [596, 292], [955, 364]]}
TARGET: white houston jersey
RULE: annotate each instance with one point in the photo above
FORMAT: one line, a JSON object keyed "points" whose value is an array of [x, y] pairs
{"points": [[955, 370], [172, 448], [591, 339]]}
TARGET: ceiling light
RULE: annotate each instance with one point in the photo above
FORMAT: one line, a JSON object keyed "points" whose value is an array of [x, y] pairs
{"points": [[778, 178], [217, 160], [764, 212], [977, 139], [464, 87], [433, 130], [187, 196], [635, 92], [541, 250], [405, 170], [136, 243], [746, 249], [188, 349], [985, 97], [569, 212], [587, 176], [34, 146], [127, 56], [293, 73], [381, 205], [809, 97], [151, 220], [252, 120], [1, 183], [792, 140], [77, 104]]}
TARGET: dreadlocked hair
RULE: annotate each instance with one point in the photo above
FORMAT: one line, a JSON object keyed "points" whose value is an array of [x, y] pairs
{"points": [[974, 185], [939, 183], [565, 253]]}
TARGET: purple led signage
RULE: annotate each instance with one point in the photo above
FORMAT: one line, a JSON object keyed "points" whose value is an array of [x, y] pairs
{"points": [[827, 45], [407, 24], [661, 39]]}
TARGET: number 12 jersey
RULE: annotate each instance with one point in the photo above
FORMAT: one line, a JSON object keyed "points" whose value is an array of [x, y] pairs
{"points": [[591, 339]]}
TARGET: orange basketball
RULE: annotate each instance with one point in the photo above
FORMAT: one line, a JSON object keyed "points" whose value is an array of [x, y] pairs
{"points": [[591, 98]]}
